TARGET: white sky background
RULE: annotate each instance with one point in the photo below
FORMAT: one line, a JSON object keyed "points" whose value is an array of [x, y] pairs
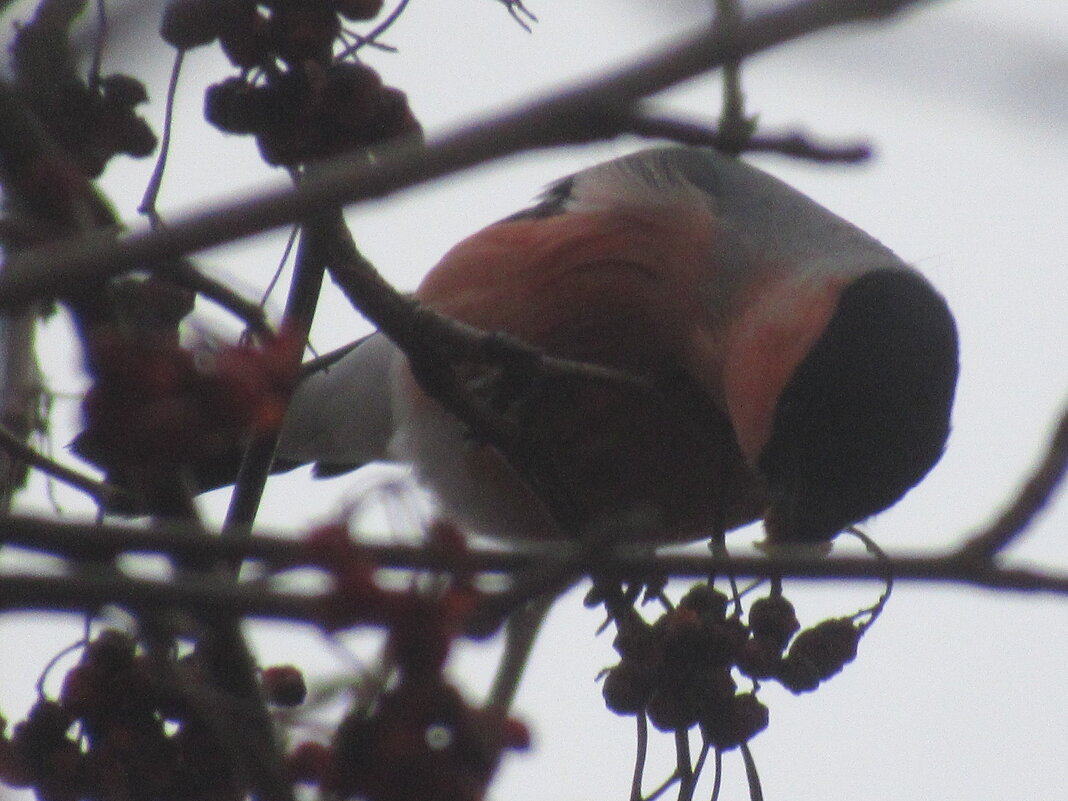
{"points": [[956, 694]]}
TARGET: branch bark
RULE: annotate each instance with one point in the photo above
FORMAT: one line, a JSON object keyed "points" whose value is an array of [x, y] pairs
{"points": [[597, 109]]}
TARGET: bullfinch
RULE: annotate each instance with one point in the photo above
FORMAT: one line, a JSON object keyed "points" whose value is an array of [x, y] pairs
{"points": [[800, 372]]}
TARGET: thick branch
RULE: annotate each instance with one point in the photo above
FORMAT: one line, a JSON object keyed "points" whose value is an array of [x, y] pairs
{"points": [[209, 596], [596, 109], [87, 541]]}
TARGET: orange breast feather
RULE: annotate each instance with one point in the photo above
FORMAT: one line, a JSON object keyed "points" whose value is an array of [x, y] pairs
{"points": [[625, 292]]}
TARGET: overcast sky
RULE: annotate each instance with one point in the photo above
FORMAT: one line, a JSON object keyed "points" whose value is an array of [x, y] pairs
{"points": [[956, 694]]}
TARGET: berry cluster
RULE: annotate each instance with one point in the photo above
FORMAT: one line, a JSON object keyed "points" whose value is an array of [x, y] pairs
{"points": [[301, 103], [422, 627], [255, 32], [311, 114], [815, 655], [679, 670], [117, 731], [91, 120], [419, 739], [155, 406]]}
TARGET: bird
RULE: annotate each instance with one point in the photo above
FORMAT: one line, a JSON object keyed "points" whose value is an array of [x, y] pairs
{"points": [[798, 371]]}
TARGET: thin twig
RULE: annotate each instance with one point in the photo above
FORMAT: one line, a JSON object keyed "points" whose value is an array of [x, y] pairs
{"points": [[1029, 501], [103, 493], [98, 45], [212, 596], [184, 273], [791, 143], [21, 394], [751, 775], [737, 128], [684, 765], [663, 787], [288, 249], [520, 635], [155, 182], [640, 756], [434, 346], [520, 13], [312, 258], [702, 758], [717, 779], [372, 37]]}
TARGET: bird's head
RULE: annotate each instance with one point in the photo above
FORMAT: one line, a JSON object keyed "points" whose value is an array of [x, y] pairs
{"points": [[864, 413]]}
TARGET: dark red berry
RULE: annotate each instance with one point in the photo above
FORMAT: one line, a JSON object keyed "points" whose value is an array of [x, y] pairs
{"points": [[635, 640], [706, 601], [236, 106], [190, 23], [46, 724], [773, 620], [358, 10], [819, 653], [672, 708], [737, 722], [112, 651], [123, 90], [284, 685], [246, 36], [829, 646], [759, 658], [310, 762], [627, 687], [797, 675]]}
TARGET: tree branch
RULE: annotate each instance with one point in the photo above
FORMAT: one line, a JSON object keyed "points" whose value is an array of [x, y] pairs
{"points": [[789, 143], [1031, 499], [87, 541], [208, 597], [596, 109], [103, 493]]}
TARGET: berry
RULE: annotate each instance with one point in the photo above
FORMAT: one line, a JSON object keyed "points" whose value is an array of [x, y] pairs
{"points": [[190, 23], [358, 10], [773, 620], [759, 658], [284, 685], [819, 653], [706, 601], [737, 722], [627, 687]]}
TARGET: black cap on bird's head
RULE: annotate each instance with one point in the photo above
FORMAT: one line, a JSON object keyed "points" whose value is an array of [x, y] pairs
{"points": [[866, 414]]}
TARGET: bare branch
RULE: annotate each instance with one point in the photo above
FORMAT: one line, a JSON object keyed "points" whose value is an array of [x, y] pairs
{"points": [[21, 391], [155, 183], [312, 257], [86, 541], [596, 109], [520, 13], [1031, 499], [790, 143], [210, 597], [183, 273], [103, 493]]}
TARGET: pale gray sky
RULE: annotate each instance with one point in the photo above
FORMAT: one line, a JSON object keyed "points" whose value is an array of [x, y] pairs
{"points": [[956, 694]]}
